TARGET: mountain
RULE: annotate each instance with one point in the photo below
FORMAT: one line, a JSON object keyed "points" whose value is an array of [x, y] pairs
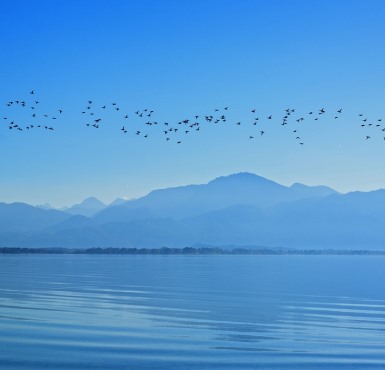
{"points": [[240, 209], [87, 207], [312, 191], [192, 200], [117, 202], [73, 222], [336, 221], [21, 217], [45, 206]]}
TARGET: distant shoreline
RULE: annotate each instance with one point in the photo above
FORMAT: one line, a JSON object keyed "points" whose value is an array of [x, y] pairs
{"points": [[190, 251]]}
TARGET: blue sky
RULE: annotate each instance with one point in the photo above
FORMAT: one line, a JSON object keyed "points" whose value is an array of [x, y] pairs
{"points": [[181, 59]]}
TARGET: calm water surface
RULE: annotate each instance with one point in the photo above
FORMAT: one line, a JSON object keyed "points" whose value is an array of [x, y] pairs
{"points": [[192, 312]]}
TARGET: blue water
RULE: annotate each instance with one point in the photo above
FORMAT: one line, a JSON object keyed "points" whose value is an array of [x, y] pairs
{"points": [[192, 312]]}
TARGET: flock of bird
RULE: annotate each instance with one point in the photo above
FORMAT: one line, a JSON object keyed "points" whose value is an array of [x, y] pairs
{"points": [[93, 117]]}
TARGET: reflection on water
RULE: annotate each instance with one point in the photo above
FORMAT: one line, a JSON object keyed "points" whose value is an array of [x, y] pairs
{"points": [[183, 312]]}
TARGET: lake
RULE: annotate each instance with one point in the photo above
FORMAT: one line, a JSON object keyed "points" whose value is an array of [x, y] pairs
{"points": [[192, 312]]}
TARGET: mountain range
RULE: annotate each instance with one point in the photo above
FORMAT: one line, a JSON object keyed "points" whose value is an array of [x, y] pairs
{"points": [[237, 210]]}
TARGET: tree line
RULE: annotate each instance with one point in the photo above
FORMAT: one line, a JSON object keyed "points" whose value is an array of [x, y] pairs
{"points": [[189, 251]]}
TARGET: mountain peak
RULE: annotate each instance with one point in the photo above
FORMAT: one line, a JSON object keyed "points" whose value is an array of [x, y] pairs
{"points": [[92, 202], [117, 202], [318, 190], [242, 177], [87, 207]]}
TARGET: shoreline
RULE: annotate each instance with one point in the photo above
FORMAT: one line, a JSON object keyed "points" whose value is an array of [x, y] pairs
{"points": [[191, 251]]}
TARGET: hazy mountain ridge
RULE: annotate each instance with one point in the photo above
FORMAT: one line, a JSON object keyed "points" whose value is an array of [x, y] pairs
{"points": [[240, 209], [191, 200], [88, 207], [21, 217]]}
